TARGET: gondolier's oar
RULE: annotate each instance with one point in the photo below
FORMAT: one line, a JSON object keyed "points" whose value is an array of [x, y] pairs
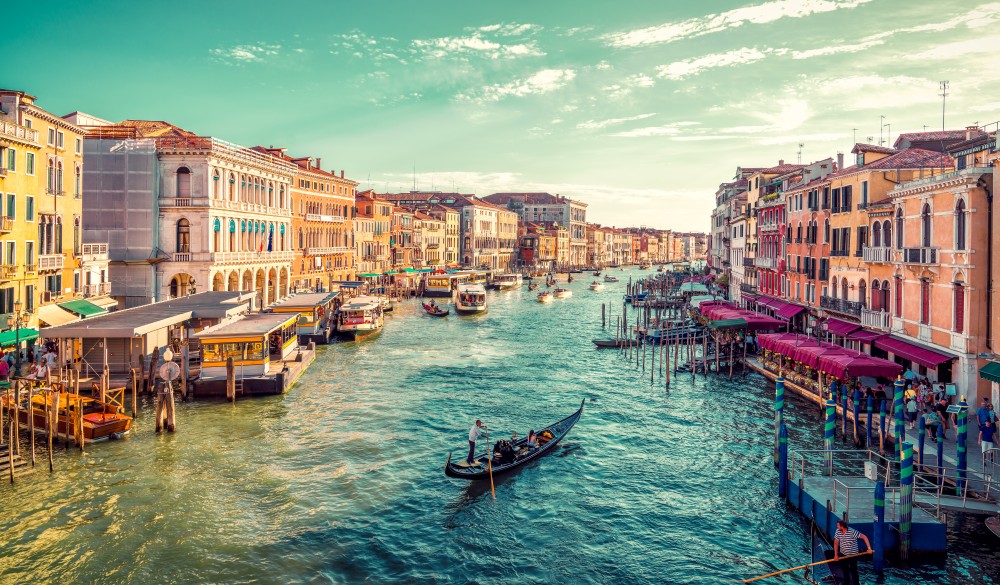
{"points": [[489, 462], [782, 572]]}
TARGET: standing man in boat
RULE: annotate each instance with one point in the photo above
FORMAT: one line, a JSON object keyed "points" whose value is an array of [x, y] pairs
{"points": [[474, 434], [845, 544]]}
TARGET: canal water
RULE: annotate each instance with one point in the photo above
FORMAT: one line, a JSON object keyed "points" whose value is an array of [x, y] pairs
{"points": [[341, 480]]}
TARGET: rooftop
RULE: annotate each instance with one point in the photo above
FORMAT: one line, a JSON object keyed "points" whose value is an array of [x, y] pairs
{"points": [[942, 137], [306, 300], [256, 324]]}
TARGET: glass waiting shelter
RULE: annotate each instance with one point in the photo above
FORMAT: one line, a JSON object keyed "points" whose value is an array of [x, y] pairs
{"points": [[254, 342], [313, 311]]}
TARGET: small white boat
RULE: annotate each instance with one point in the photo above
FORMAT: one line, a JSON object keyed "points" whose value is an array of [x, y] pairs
{"points": [[360, 316], [596, 285], [470, 298], [508, 281], [610, 279], [545, 297], [562, 293]]}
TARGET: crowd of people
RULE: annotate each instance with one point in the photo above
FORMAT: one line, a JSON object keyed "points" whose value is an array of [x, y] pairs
{"points": [[36, 362]]}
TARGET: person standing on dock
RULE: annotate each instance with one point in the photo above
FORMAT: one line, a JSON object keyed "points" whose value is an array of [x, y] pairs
{"points": [[845, 544], [474, 434]]}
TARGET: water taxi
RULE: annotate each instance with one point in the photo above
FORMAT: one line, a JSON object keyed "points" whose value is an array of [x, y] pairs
{"points": [[361, 316], [442, 285], [470, 298], [101, 420], [507, 281], [314, 315], [645, 266], [597, 285], [609, 278], [562, 293], [545, 297]]}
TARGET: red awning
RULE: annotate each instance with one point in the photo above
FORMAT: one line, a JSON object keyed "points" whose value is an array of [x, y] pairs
{"points": [[865, 335], [766, 301], [906, 350], [841, 328], [790, 310], [854, 366]]}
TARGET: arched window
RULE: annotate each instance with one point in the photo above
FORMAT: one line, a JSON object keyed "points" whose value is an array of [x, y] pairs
{"points": [[843, 288], [959, 307], [216, 187], [77, 182], [76, 235], [876, 295], [183, 236], [183, 182], [925, 226], [863, 293], [833, 287], [232, 187], [798, 233], [50, 176], [216, 235], [302, 241], [59, 177], [876, 238], [826, 231], [887, 233], [960, 225], [899, 228]]}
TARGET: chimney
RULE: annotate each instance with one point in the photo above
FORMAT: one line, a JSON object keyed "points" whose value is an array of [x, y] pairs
{"points": [[341, 173], [970, 131], [840, 161], [781, 161], [319, 163]]}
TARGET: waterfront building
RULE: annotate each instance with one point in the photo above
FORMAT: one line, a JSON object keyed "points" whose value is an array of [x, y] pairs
{"points": [[44, 272], [537, 246], [430, 236], [807, 249], [373, 231], [735, 265], [765, 246], [621, 246], [402, 251], [323, 213], [546, 207], [183, 212]]}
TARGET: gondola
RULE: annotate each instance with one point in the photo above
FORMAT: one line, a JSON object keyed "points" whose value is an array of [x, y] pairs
{"points": [[435, 311], [479, 470], [533, 286], [617, 342]]}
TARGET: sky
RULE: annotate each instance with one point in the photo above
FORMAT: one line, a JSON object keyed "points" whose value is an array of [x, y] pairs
{"points": [[640, 108]]}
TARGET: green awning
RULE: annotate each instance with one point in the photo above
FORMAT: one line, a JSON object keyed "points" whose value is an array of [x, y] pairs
{"points": [[83, 308], [425, 270], [9, 338], [990, 371], [409, 270], [728, 324], [370, 275]]}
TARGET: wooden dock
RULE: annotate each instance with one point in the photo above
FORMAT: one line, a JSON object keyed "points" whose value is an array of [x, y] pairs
{"points": [[280, 377]]}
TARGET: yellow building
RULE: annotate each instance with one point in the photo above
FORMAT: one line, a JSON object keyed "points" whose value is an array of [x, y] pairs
{"points": [[41, 166]]}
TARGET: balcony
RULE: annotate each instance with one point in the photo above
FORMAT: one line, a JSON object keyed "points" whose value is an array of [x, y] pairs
{"points": [[183, 202], [764, 262], [94, 253], [97, 290], [8, 272], [248, 257], [318, 251], [841, 306], [181, 257], [324, 218], [748, 263], [919, 255], [6, 223], [748, 288], [876, 319], [51, 261], [21, 133], [839, 253], [877, 255]]}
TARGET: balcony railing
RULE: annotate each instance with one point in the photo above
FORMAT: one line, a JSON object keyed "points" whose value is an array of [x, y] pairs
{"points": [[94, 252], [876, 319], [748, 263], [324, 218], [21, 132], [6, 223], [877, 254], [747, 288], [321, 251], [244, 257], [920, 255], [841, 306], [181, 257], [97, 290], [51, 261], [8, 272], [764, 262]]}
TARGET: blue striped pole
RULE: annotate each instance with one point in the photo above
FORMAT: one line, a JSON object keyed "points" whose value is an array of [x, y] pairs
{"points": [[878, 529], [905, 498], [940, 455], [881, 426], [779, 412], [921, 437], [963, 455], [871, 407], [783, 461], [857, 409], [831, 425], [843, 400], [897, 414]]}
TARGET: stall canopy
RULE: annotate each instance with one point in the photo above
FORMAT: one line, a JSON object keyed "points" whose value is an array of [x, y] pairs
{"points": [[906, 350], [991, 372], [790, 310], [83, 308], [9, 338], [841, 328], [829, 358], [54, 315], [865, 335], [855, 366]]}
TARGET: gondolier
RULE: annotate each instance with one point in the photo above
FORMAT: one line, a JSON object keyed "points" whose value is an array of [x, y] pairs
{"points": [[845, 544], [474, 434]]}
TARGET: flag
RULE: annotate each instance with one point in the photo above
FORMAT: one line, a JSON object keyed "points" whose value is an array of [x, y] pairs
{"points": [[270, 240], [261, 245]]}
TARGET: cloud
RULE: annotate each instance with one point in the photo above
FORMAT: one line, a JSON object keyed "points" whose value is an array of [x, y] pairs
{"points": [[712, 23], [959, 49], [981, 16], [475, 45], [671, 129], [681, 69], [993, 107], [596, 125], [511, 29], [619, 90], [544, 81], [836, 49], [244, 54]]}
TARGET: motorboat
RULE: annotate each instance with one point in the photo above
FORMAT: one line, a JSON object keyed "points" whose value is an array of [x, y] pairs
{"points": [[507, 281], [363, 315], [597, 285], [608, 278], [562, 293], [470, 298], [545, 297]]}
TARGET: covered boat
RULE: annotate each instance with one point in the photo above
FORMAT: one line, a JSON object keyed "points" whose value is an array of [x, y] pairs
{"points": [[360, 316], [596, 285], [480, 470], [101, 420], [470, 298]]}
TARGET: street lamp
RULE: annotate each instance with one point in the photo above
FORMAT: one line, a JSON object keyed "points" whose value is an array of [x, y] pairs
{"points": [[15, 321], [818, 325]]}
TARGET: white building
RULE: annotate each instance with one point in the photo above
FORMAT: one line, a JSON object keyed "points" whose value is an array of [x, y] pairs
{"points": [[545, 207]]}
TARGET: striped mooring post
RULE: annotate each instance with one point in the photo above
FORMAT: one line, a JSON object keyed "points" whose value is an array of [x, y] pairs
{"points": [[881, 427], [857, 410], [844, 393], [905, 498], [940, 456], [899, 433], [779, 412], [868, 423], [783, 461], [921, 439], [831, 425], [878, 529], [961, 440]]}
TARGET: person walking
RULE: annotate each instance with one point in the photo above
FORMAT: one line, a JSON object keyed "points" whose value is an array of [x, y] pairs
{"points": [[987, 432], [911, 411], [845, 544], [474, 434]]}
